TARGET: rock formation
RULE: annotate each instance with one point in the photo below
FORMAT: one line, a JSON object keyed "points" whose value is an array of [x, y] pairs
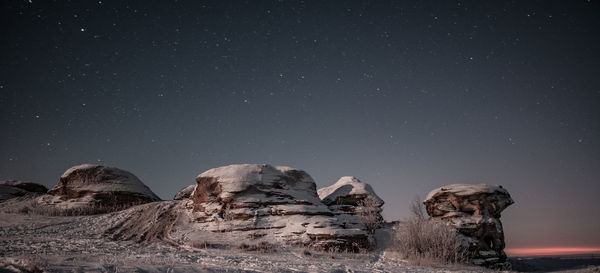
{"points": [[91, 189], [13, 188], [344, 198], [185, 193], [474, 210], [264, 203]]}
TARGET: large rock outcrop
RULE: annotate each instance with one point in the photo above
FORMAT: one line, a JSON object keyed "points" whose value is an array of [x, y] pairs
{"points": [[345, 197], [265, 203], [474, 210], [12, 188], [90, 189]]}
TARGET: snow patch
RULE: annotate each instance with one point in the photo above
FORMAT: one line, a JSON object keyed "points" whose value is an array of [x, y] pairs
{"points": [[347, 185], [466, 189]]}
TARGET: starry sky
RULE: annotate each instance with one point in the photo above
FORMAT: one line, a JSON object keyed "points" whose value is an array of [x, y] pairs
{"points": [[407, 96]]}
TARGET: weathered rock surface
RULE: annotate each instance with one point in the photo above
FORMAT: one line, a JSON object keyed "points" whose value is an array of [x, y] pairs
{"points": [[266, 203], [474, 210], [345, 196], [96, 189], [185, 193], [12, 188]]}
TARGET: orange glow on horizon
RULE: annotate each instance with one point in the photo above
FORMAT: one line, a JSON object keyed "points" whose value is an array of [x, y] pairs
{"points": [[542, 251]]}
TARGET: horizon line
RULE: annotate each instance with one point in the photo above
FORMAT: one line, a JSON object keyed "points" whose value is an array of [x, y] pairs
{"points": [[549, 251]]}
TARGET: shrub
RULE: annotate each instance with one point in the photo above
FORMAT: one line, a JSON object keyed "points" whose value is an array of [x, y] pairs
{"points": [[425, 241], [368, 212]]}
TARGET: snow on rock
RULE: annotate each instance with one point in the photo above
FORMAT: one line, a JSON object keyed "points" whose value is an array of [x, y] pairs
{"points": [[495, 200], [262, 202], [347, 190], [474, 210], [185, 193], [13, 188], [96, 189], [345, 196]]}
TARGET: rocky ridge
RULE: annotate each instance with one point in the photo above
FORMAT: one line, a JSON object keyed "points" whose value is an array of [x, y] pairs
{"points": [[262, 204]]}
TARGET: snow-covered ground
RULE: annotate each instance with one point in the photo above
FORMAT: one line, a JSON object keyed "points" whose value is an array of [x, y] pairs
{"points": [[77, 244]]}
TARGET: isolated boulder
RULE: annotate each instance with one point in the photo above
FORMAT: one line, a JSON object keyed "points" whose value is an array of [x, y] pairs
{"points": [[345, 197], [268, 203], [12, 188], [474, 210], [96, 189], [185, 193]]}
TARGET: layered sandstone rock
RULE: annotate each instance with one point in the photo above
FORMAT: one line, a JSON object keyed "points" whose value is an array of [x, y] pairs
{"points": [[265, 203], [93, 189], [346, 196], [474, 210], [12, 188]]}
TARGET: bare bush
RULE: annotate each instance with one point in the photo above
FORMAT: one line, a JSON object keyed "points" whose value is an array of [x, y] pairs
{"points": [[425, 241], [417, 209], [369, 214], [110, 264]]}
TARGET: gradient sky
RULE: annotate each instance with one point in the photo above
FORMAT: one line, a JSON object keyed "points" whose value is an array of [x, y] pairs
{"points": [[407, 96]]}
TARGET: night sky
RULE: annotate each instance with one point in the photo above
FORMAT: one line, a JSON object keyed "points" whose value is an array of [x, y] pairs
{"points": [[407, 96]]}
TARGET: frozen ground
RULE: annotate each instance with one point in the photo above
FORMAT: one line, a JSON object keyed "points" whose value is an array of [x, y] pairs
{"points": [[76, 244]]}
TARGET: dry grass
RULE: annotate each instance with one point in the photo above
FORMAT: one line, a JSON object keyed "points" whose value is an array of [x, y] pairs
{"points": [[428, 242]]}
